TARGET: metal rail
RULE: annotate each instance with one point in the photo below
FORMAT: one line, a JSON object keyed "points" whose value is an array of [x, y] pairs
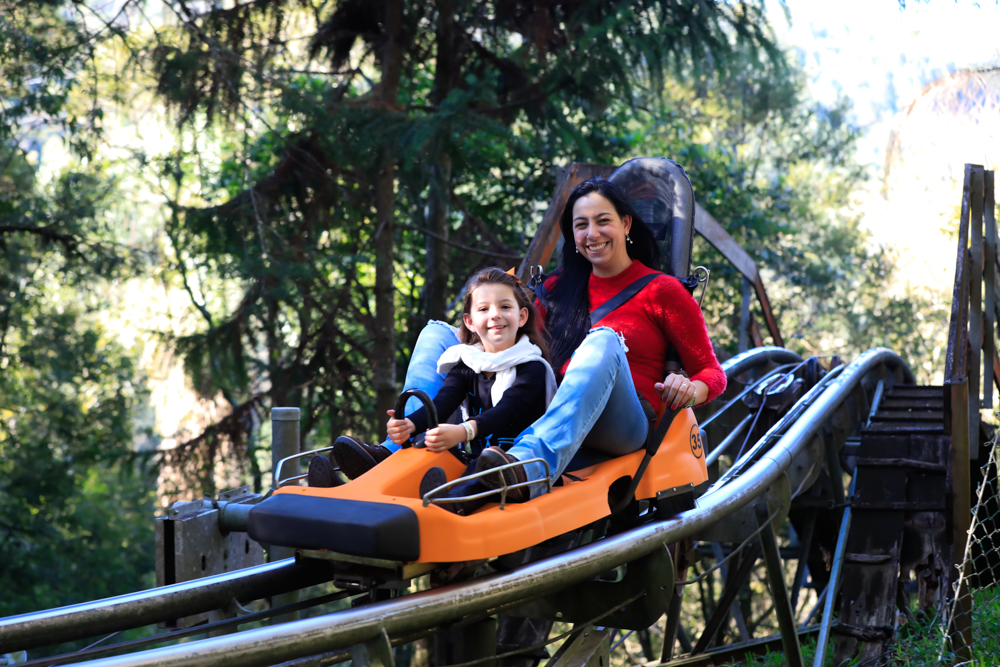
{"points": [[271, 645], [28, 631], [41, 628]]}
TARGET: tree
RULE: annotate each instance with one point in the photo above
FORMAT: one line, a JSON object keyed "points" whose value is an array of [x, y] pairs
{"points": [[490, 98], [75, 504]]}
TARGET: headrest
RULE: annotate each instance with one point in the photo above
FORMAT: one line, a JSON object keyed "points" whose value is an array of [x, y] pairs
{"points": [[661, 193]]}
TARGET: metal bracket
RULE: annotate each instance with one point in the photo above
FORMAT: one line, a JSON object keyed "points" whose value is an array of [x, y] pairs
{"points": [[591, 648]]}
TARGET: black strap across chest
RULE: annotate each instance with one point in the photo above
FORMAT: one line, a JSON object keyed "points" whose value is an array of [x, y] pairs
{"points": [[619, 299]]}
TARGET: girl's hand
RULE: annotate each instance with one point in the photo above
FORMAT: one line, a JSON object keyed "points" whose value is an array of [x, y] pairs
{"points": [[399, 430], [677, 391], [445, 437]]}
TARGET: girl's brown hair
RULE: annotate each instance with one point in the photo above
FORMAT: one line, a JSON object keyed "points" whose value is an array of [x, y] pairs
{"points": [[498, 276]]}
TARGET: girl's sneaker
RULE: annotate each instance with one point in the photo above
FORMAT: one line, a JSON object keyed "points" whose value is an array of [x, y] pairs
{"points": [[355, 458], [322, 474]]}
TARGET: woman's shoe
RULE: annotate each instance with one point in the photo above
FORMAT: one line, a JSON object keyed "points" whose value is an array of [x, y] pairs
{"points": [[355, 458], [322, 474], [494, 457]]}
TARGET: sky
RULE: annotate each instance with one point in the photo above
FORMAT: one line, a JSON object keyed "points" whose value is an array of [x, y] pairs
{"points": [[883, 57]]}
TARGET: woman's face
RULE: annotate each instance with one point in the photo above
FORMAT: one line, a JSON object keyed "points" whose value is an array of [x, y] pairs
{"points": [[599, 234]]}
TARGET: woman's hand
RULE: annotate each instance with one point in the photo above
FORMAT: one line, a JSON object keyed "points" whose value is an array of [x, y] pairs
{"points": [[445, 437], [399, 430], [678, 391]]}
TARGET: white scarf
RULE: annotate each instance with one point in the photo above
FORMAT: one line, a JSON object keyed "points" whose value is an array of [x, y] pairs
{"points": [[504, 364]]}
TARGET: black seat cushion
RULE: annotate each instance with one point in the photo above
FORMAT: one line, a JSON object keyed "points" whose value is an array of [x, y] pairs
{"points": [[354, 527]]}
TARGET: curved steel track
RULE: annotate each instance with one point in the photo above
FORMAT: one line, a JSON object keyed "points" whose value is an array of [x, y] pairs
{"points": [[751, 478]]}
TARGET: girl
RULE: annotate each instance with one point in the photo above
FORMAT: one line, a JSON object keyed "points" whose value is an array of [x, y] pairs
{"points": [[498, 374]]}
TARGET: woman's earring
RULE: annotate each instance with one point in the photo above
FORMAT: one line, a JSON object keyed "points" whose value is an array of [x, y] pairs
{"points": [[577, 249], [628, 238]]}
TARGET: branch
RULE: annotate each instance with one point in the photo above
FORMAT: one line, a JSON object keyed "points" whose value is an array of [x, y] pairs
{"points": [[488, 253]]}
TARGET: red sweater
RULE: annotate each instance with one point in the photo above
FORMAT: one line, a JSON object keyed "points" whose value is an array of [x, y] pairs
{"points": [[660, 316]]}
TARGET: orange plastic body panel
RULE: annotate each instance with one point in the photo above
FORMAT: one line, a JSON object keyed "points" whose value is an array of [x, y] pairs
{"points": [[490, 532]]}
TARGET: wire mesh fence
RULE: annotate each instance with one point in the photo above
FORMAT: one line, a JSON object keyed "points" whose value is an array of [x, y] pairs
{"points": [[975, 595]]}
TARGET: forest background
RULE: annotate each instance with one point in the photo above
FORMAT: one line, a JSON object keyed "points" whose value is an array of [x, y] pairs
{"points": [[266, 199]]}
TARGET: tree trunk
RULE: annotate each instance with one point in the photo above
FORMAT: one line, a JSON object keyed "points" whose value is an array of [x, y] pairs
{"points": [[384, 343], [436, 278]]}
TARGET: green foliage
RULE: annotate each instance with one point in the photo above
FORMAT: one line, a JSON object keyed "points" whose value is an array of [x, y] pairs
{"points": [[74, 512], [277, 248], [74, 506]]}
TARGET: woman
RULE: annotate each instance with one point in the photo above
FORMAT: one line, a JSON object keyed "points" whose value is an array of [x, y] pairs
{"points": [[607, 247]]}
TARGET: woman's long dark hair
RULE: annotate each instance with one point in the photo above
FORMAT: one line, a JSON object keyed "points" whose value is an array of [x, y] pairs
{"points": [[568, 319]]}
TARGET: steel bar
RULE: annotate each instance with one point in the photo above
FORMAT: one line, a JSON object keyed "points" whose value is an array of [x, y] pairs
{"points": [[831, 587], [134, 610], [805, 544], [725, 655], [729, 593], [779, 593], [727, 442], [270, 645], [747, 460], [734, 608], [211, 629], [757, 356], [672, 624], [747, 389]]}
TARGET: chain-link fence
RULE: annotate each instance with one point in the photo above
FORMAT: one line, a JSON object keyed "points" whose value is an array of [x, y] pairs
{"points": [[975, 599]]}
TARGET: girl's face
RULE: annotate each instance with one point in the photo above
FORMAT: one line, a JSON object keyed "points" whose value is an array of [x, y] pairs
{"points": [[495, 316], [599, 234]]}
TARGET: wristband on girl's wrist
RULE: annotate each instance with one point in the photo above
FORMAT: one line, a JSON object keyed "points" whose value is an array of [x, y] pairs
{"points": [[693, 400], [468, 431]]}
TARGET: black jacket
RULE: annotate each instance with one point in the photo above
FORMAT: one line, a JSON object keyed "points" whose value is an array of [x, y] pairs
{"points": [[522, 403]]}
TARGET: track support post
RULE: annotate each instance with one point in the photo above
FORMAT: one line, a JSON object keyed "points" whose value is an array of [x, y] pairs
{"points": [[592, 648], [376, 652], [776, 581], [673, 622], [284, 443]]}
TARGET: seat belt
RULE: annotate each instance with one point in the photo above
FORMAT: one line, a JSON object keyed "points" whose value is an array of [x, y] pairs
{"points": [[629, 291]]}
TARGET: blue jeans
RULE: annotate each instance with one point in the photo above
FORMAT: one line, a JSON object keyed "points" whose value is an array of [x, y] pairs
{"points": [[596, 406], [421, 373]]}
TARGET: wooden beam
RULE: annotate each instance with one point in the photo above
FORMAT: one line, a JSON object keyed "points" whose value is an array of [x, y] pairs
{"points": [[720, 239]]}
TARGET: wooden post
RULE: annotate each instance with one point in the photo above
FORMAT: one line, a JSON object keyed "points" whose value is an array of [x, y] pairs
{"points": [[989, 277], [960, 630], [975, 305]]}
